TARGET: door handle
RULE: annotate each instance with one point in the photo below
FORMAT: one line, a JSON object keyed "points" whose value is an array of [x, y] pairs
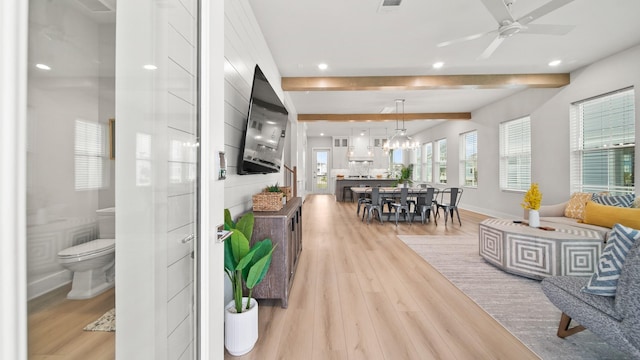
{"points": [[188, 239], [222, 234]]}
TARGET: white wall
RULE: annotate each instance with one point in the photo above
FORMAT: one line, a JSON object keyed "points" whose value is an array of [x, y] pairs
{"points": [[245, 47], [549, 112], [157, 113]]}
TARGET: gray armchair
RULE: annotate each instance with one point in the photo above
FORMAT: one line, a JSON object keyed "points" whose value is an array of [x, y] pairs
{"points": [[614, 319]]}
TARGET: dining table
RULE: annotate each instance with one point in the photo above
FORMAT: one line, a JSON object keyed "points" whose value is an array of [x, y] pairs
{"points": [[391, 192]]}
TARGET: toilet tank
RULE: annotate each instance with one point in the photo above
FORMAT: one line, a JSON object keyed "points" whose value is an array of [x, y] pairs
{"points": [[106, 223]]}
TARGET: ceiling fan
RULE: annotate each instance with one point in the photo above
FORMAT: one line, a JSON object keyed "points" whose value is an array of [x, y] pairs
{"points": [[509, 26]]}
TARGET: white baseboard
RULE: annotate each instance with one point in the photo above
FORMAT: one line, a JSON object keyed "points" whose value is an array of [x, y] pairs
{"points": [[48, 283], [492, 213]]}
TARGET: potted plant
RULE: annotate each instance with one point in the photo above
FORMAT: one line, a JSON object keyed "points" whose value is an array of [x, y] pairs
{"points": [[270, 199], [246, 266], [406, 176], [531, 202], [277, 189]]}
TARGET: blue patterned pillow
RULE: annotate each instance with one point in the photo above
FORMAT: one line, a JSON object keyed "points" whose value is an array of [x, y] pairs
{"points": [[615, 200], [605, 280]]}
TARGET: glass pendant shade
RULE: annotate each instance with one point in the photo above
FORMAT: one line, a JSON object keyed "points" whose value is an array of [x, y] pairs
{"points": [[400, 140]]}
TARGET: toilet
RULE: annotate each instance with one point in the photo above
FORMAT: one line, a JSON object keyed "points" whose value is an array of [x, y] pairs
{"points": [[93, 262]]}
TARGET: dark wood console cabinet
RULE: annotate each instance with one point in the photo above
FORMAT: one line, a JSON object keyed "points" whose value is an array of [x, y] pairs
{"points": [[284, 228]]}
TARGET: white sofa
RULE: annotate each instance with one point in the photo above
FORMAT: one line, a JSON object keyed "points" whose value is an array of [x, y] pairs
{"points": [[555, 214]]}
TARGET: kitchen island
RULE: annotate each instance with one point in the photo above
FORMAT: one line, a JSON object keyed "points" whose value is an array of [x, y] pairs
{"points": [[349, 182]]}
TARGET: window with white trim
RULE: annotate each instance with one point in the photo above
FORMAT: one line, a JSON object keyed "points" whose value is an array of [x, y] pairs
{"points": [[397, 161], [441, 161], [515, 154], [417, 168], [90, 155], [603, 143], [427, 165], [469, 159]]}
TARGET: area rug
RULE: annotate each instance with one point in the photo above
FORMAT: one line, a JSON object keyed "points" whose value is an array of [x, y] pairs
{"points": [[516, 302], [106, 322]]}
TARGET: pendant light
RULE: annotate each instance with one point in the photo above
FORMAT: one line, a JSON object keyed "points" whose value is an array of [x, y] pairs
{"points": [[400, 140]]}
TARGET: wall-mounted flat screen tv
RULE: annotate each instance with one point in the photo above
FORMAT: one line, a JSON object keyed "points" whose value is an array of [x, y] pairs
{"points": [[264, 135]]}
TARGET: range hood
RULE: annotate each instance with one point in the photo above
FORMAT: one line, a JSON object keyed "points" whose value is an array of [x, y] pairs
{"points": [[360, 157]]}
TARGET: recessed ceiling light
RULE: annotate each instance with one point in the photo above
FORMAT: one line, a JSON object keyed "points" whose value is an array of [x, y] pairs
{"points": [[321, 134], [323, 66], [555, 62], [438, 65], [43, 67], [150, 67]]}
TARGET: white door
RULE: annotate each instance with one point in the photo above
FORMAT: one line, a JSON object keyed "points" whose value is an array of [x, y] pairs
{"points": [[143, 277], [156, 179], [320, 168]]}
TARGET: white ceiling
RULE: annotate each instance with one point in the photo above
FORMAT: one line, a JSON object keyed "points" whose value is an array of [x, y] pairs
{"points": [[355, 39]]}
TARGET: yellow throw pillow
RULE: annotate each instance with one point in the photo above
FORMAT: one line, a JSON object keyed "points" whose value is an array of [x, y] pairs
{"points": [[605, 215], [575, 206]]}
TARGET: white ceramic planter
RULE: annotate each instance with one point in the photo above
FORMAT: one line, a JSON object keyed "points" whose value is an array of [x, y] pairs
{"points": [[534, 218], [240, 330]]}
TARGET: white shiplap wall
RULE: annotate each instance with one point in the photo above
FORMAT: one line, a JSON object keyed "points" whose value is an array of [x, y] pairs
{"points": [[245, 47], [156, 179]]}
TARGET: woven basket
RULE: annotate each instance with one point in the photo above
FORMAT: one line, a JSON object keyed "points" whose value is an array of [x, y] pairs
{"points": [[267, 201], [287, 192]]}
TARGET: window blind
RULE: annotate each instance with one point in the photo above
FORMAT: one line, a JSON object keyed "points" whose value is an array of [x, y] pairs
{"points": [[515, 154], [441, 161], [469, 159], [428, 162], [417, 160], [89, 155], [603, 143]]}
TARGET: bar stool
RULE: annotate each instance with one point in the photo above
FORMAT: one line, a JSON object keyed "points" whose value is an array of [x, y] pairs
{"points": [[347, 190]]}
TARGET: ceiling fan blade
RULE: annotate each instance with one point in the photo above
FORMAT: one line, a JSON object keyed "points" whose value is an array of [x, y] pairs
{"points": [[466, 38], [546, 29], [498, 10], [543, 10], [492, 47]]}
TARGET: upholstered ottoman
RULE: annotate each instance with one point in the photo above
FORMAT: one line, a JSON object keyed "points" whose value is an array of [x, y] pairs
{"points": [[537, 253]]}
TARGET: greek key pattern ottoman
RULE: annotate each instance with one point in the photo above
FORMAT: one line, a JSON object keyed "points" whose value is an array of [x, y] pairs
{"points": [[537, 253]]}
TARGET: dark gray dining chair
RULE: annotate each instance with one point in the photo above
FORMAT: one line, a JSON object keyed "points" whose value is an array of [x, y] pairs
{"points": [[373, 206], [363, 198], [449, 200], [425, 204], [402, 206]]}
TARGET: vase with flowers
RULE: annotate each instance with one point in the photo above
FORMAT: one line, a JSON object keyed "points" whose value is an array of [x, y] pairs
{"points": [[531, 202]]}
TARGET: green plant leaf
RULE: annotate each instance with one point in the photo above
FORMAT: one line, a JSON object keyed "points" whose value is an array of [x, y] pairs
{"points": [[259, 250], [258, 271], [229, 260], [239, 245], [245, 225], [228, 221]]}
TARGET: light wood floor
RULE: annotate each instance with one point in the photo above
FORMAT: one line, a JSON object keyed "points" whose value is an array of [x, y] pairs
{"points": [[361, 293], [55, 327]]}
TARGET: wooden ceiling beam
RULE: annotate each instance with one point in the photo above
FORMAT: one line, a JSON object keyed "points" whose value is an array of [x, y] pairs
{"points": [[430, 82], [384, 117]]}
